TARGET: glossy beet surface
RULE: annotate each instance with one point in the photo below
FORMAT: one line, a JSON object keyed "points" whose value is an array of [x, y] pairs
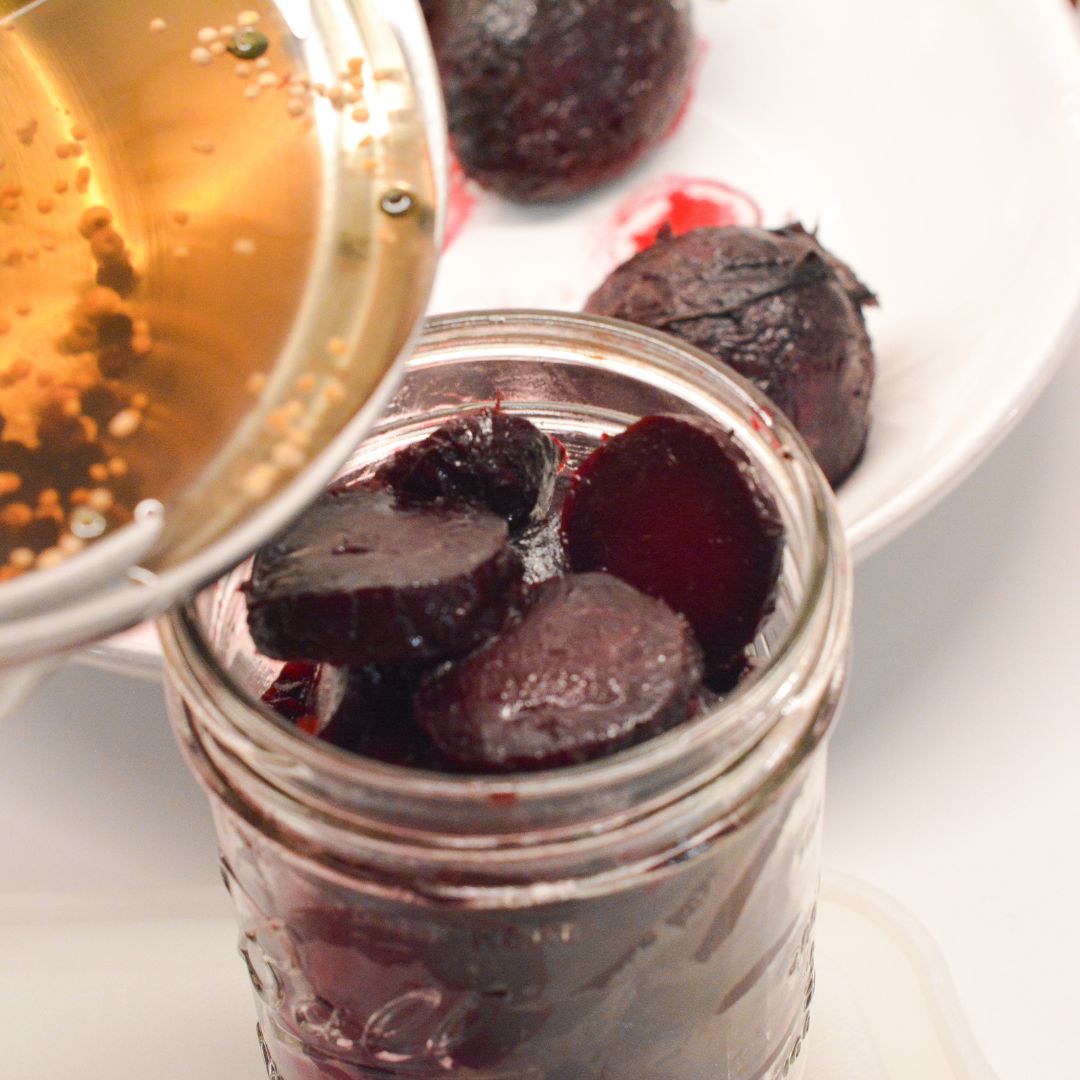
{"points": [[671, 505], [360, 579], [488, 457], [547, 99], [775, 306], [592, 666], [292, 694], [435, 655]]}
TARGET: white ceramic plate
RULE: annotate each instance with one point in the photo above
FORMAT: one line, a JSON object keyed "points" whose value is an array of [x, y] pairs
{"points": [[934, 144]]}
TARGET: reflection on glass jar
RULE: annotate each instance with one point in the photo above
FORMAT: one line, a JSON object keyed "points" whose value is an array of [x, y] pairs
{"points": [[643, 917]]}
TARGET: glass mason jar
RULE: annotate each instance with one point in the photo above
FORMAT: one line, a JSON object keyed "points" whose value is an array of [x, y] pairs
{"points": [[648, 916]]}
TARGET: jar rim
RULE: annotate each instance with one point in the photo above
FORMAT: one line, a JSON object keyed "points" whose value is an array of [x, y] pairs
{"points": [[811, 636]]}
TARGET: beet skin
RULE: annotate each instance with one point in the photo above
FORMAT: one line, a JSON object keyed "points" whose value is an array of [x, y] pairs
{"points": [[775, 306]]}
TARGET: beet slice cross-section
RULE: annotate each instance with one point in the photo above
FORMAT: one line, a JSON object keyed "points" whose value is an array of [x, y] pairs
{"points": [[672, 506], [592, 666], [360, 579]]}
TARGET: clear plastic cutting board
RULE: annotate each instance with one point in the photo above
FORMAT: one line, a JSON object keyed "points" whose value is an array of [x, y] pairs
{"points": [[128, 989]]}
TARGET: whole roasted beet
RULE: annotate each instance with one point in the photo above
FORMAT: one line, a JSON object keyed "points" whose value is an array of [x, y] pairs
{"points": [[775, 306], [547, 99]]}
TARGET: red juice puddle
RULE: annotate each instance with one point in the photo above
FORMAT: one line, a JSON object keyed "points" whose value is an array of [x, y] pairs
{"points": [[685, 213], [681, 203], [460, 202]]}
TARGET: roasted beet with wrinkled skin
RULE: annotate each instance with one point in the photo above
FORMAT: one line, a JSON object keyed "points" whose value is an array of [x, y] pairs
{"points": [[775, 306], [547, 99], [592, 666], [360, 579], [672, 506], [489, 457]]}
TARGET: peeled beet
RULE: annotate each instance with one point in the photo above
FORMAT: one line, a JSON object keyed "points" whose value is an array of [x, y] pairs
{"points": [[292, 693], [547, 99], [672, 506], [488, 457], [360, 579], [370, 712], [592, 666], [775, 306]]}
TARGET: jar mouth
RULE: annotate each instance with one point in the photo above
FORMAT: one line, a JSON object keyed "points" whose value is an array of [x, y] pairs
{"points": [[798, 666]]}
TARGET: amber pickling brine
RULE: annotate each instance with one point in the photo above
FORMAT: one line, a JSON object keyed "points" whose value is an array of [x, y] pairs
{"points": [[645, 916], [218, 234]]}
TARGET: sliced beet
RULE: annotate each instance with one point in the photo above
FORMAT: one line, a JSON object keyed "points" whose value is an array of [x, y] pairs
{"points": [[369, 711], [360, 579], [592, 666], [774, 305], [489, 457], [292, 694], [672, 506], [546, 99], [437, 13]]}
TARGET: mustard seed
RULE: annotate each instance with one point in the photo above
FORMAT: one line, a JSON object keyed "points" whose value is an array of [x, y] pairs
{"points": [[125, 423]]}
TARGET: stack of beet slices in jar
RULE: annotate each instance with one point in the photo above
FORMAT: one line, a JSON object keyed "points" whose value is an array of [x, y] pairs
{"points": [[475, 607]]}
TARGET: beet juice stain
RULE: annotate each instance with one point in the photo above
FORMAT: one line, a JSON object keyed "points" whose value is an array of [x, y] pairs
{"points": [[460, 203], [682, 203]]}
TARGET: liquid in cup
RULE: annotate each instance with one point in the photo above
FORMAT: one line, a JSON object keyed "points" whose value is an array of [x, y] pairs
{"points": [[194, 245]]}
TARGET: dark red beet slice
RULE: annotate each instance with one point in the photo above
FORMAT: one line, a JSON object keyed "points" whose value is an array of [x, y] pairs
{"points": [[293, 693], [547, 99], [592, 666], [367, 711], [775, 306], [490, 457], [360, 579], [672, 506], [370, 712]]}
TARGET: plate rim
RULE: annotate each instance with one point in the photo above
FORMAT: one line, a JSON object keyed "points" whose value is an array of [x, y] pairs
{"points": [[1060, 37], [1057, 35]]}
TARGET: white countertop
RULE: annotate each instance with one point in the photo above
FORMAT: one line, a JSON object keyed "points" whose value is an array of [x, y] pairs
{"points": [[954, 768]]}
